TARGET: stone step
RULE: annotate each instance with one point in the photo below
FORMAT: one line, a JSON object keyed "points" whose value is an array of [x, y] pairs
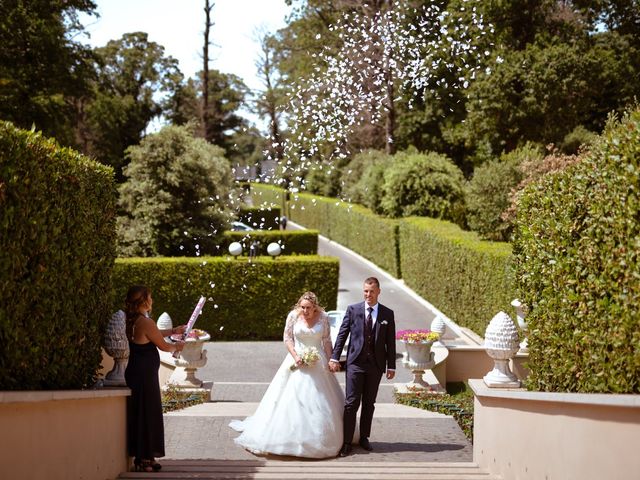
{"points": [[329, 469]]}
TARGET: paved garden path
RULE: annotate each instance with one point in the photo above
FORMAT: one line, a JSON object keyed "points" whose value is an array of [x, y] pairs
{"points": [[408, 442]]}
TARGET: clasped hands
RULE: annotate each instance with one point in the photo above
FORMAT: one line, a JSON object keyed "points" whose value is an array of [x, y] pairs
{"points": [[335, 367]]}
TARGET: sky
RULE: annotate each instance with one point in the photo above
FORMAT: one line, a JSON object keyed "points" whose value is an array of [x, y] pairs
{"points": [[178, 25]]}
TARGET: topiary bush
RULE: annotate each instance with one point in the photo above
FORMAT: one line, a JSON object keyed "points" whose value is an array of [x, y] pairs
{"points": [[363, 178], [428, 185], [490, 189], [577, 261], [578, 138], [57, 218], [246, 301]]}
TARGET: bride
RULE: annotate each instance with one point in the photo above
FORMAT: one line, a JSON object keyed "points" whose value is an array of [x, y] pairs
{"points": [[301, 411]]}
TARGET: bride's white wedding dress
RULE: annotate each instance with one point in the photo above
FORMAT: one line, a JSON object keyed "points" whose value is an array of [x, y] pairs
{"points": [[301, 412]]}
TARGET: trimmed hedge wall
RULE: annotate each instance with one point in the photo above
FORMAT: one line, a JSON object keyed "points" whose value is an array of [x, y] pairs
{"points": [[293, 242], [57, 247], [578, 268], [355, 227], [266, 196], [260, 218], [469, 280], [253, 299]]}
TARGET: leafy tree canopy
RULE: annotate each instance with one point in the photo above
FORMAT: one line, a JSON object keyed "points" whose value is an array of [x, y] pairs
{"points": [[133, 74], [42, 69], [175, 195]]}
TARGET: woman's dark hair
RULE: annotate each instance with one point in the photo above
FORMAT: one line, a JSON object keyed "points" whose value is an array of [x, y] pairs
{"points": [[137, 296]]}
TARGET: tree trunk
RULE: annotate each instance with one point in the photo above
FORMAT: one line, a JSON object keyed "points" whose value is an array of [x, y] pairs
{"points": [[391, 114], [205, 69]]}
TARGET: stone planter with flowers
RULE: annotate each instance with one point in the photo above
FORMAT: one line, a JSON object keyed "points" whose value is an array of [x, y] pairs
{"points": [[419, 356]]}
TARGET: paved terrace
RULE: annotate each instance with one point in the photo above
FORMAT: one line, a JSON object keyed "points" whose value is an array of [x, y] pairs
{"points": [[408, 442]]}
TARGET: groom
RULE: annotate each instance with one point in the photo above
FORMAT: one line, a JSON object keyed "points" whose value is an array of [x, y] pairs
{"points": [[371, 351]]}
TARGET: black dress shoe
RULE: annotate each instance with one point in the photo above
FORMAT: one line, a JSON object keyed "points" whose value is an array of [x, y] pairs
{"points": [[345, 450], [364, 443]]}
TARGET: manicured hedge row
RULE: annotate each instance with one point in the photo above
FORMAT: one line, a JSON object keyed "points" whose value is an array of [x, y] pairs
{"points": [[261, 218], [57, 218], [355, 227], [577, 250], [469, 280], [293, 242], [265, 196], [247, 301]]}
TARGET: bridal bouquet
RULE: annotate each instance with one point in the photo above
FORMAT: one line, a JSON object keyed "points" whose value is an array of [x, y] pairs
{"points": [[309, 356]]}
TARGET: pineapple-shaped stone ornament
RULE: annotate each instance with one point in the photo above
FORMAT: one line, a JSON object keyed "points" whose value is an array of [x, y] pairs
{"points": [[117, 346], [501, 343]]}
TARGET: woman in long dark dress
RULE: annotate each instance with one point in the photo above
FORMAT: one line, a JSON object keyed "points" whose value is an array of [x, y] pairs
{"points": [[144, 415]]}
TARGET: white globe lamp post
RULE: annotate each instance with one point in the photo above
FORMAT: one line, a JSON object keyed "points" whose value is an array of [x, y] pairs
{"points": [[274, 249], [235, 249]]}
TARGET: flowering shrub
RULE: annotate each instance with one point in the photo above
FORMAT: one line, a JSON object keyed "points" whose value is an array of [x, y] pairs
{"points": [[417, 336]]}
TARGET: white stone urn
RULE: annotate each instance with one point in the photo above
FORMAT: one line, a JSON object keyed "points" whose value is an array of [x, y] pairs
{"points": [[191, 358], [419, 358], [116, 345], [520, 317], [501, 343]]}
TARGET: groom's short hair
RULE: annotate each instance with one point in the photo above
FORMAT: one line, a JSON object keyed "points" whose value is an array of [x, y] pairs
{"points": [[372, 281]]}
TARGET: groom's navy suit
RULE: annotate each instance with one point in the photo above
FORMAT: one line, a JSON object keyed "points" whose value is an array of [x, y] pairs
{"points": [[364, 366]]}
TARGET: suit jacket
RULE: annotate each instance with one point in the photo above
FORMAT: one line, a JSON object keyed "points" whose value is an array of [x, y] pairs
{"points": [[384, 340]]}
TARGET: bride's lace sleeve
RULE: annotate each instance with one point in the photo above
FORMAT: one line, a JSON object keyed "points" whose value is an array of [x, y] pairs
{"points": [[288, 329], [326, 334]]}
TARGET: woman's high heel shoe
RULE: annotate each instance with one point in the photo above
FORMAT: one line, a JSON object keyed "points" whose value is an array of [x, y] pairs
{"points": [[144, 466]]}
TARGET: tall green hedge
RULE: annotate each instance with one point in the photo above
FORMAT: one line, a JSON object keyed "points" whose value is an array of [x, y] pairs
{"points": [[265, 196], [355, 227], [578, 268], [263, 218], [57, 247], [469, 280], [247, 301], [293, 242]]}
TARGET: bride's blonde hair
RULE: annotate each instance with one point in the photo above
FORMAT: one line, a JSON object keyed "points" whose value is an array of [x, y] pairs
{"points": [[309, 297]]}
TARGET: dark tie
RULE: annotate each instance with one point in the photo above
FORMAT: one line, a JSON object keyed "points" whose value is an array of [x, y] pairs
{"points": [[368, 332]]}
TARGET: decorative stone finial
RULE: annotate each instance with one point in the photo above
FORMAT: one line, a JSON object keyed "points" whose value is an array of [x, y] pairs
{"points": [[164, 322], [438, 326], [501, 343], [117, 346]]}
